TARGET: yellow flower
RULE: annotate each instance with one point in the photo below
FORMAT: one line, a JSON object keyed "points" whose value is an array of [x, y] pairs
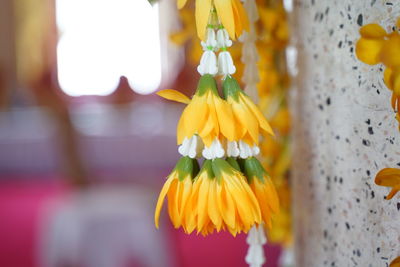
{"points": [[369, 47], [275, 27], [389, 177], [230, 12], [263, 188], [281, 121], [177, 189], [207, 114], [221, 199], [247, 116], [395, 262]]}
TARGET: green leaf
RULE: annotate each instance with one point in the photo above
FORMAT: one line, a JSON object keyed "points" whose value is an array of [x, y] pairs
{"points": [[233, 162], [254, 169], [220, 166], [206, 82], [185, 167], [231, 88], [207, 167]]}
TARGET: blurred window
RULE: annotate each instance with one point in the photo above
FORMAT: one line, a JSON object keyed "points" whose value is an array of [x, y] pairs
{"points": [[101, 40]]}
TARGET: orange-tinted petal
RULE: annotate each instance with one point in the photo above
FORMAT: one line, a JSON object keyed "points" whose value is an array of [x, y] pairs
{"points": [[388, 177]]}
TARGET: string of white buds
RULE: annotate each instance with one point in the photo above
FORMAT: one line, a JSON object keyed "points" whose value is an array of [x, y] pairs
{"points": [[225, 61], [191, 147], [256, 239], [250, 55], [208, 61], [215, 150]]}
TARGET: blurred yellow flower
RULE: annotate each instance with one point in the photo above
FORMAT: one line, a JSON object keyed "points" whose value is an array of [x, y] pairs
{"points": [[389, 177], [275, 32], [230, 12], [377, 46]]}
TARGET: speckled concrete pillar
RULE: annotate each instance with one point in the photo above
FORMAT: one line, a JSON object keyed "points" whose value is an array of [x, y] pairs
{"points": [[344, 132]]}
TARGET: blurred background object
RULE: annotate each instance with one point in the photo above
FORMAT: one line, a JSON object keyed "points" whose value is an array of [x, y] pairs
{"points": [[84, 145]]}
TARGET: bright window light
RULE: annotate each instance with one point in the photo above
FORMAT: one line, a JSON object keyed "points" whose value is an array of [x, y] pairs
{"points": [[101, 40]]}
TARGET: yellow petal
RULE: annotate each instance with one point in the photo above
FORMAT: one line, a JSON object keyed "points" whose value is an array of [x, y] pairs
{"points": [[264, 125], [196, 113], [392, 193], [252, 198], [390, 55], [241, 19], [246, 119], [213, 211], [226, 206], [225, 14], [174, 95], [369, 50], [181, 3], [161, 199], [225, 118], [202, 13], [272, 195], [172, 204], [261, 196], [186, 185], [372, 31], [243, 204], [202, 204], [191, 207], [211, 126]]}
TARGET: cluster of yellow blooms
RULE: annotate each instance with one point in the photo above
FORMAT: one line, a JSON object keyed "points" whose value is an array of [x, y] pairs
{"points": [[272, 39], [273, 89], [378, 46], [231, 191]]}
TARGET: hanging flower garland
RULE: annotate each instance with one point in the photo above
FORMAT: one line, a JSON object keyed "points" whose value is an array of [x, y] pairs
{"points": [[378, 46], [231, 191]]}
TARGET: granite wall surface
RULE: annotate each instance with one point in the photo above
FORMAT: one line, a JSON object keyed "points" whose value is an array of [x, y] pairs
{"points": [[344, 132]]}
